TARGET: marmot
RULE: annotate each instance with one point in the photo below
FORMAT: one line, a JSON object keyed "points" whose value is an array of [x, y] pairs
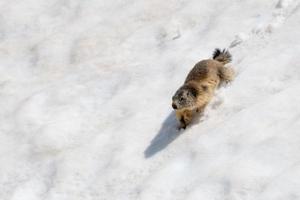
{"points": [[200, 84]]}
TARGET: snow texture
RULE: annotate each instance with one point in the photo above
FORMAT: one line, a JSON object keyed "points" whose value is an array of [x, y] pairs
{"points": [[85, 96]]}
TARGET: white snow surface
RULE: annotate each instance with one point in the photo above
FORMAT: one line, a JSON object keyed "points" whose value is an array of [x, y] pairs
{"points": [[85, 96]]}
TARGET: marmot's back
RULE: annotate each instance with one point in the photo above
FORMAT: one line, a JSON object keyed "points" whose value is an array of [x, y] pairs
{"points": [[203, 70]]}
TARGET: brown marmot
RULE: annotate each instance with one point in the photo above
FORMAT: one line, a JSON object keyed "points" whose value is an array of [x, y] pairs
{"points": [[200, 84]]}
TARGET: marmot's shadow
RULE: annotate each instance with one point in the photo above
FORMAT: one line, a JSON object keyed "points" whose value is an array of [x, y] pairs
{"points": [[167, 133]]}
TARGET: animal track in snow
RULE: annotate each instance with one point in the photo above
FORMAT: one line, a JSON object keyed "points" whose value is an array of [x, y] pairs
{"points": [[283, 9]]}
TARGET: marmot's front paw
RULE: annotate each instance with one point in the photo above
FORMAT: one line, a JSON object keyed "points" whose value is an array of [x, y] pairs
{"points": [[183, 123], [181, 126]]}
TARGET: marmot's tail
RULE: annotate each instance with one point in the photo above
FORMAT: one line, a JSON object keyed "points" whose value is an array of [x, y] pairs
{"points": [[222, 56]]}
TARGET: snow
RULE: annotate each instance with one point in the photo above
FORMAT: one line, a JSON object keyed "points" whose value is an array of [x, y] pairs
{"points": [[85, 97]]}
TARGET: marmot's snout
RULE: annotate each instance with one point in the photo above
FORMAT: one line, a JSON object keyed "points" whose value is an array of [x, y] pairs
{"points": [[174, 106]]}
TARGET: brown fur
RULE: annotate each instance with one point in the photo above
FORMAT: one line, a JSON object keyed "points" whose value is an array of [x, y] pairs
{"points": [[203, 79]]}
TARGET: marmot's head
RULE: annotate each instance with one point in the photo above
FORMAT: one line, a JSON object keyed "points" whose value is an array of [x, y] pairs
{"points": [[185, 97]]}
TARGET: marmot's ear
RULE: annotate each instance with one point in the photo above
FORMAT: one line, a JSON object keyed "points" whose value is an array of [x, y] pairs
{"points": [[194, 91], [204, 87]]}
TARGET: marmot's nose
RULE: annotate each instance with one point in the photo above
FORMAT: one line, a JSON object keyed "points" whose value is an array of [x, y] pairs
{"points": [[174, 106]]}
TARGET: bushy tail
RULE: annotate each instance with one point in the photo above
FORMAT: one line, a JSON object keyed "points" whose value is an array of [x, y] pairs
{"points": [[222, 56]]}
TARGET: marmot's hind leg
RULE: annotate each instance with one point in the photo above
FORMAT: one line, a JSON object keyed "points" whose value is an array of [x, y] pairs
{"points": [[226, 74], [184, 117]]}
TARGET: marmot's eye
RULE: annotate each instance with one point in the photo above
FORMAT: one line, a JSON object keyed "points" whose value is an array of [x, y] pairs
{"points": [[181, 99]]}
